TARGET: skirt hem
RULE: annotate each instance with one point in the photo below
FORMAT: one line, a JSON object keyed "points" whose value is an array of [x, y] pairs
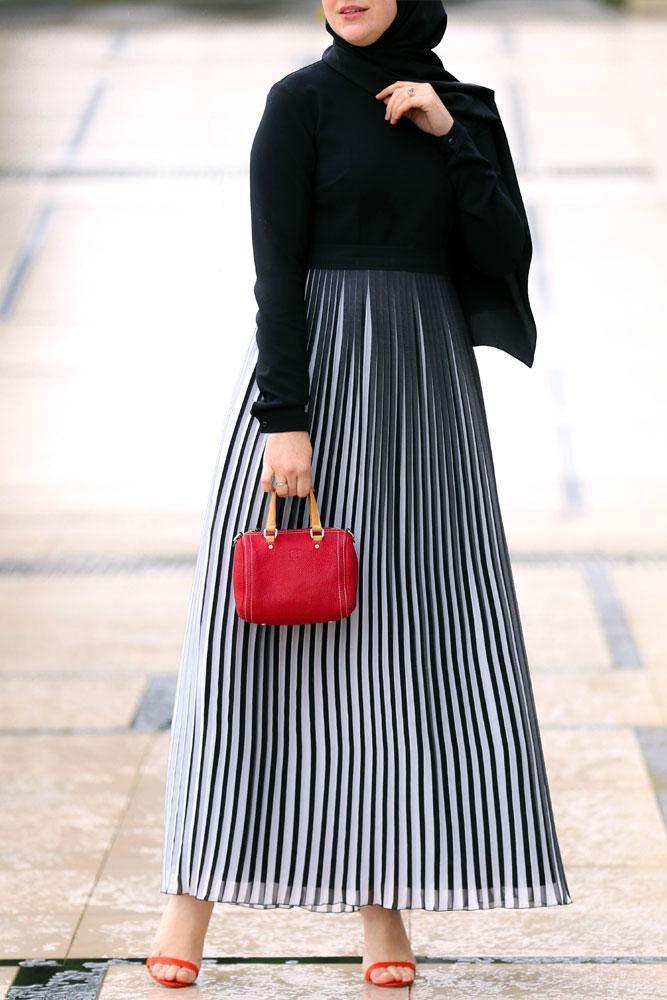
{"points": [[345, 906]]}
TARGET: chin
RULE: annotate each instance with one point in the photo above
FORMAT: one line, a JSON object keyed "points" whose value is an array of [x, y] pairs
{"points": [[356, 35]]}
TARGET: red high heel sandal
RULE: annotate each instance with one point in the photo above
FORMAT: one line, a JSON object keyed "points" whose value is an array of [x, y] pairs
{"points": [[395, 982], [165, 960]]}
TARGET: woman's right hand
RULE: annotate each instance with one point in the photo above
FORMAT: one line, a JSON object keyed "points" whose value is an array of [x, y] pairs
{"points": [[288, 456]]}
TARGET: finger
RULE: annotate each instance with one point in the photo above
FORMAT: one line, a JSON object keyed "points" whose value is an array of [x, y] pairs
{"points": [[392, 87], [303, 485], [289, 478], [283, 490], [403, 104], [392, 108], [391, 104], [400, 97], [266, 482]]}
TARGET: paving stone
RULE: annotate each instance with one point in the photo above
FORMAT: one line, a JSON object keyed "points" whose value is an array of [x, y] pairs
{"points": [[579, 759], [643, 589], [127, 622], [57, 702], [561, 627], [7, 973], [125, 909], [60, 814], [632, 900], [289, 982], [616, 699]]}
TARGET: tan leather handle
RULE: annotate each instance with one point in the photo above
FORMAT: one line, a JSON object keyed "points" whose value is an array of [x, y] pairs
{"points": [[316, 531]]}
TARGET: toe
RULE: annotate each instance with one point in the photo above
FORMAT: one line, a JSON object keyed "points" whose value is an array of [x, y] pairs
{"points": [[173, 973], [398, 972], [185, 975], [382, 975]]}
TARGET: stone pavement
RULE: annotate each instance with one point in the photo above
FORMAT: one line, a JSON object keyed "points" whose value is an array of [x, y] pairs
{"points": [[125, 306]]}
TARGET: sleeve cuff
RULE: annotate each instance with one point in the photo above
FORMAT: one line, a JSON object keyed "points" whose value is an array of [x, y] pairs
{"points": [[286, 418], [450, 143]]}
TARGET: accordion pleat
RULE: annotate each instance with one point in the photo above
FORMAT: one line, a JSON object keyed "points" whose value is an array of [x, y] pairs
{"points": [[392, 757]]}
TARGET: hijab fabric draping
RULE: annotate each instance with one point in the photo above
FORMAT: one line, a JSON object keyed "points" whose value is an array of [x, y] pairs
{"points": [[404, 51], [497, 308]]}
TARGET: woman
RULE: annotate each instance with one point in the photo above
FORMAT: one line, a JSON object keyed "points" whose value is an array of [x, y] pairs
{"points": [[391, 759]]}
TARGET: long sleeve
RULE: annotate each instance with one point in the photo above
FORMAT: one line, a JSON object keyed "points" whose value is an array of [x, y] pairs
{"points": [[492, 229], [282, 161]]}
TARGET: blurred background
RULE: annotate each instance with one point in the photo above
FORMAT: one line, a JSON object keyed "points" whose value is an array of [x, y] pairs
{"points": [[126, 306]]}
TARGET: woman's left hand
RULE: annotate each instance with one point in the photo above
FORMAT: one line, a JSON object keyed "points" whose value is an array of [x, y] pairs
{"points": [[424, 108]]}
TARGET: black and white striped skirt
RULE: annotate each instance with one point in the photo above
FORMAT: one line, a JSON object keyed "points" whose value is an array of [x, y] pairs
{"points": [[392, 757]]}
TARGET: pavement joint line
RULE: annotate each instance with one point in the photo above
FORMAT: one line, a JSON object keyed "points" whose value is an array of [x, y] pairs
{"points": [[568, 557], [129, 731], [71, 731], [154, 711], [652, 742], [88, 564], [123, 673], [25, 258], [625, 654], [602, 170], [83, 979], [18, 172], [73, 674], [88, 112], [356, 959], [509, 10]]}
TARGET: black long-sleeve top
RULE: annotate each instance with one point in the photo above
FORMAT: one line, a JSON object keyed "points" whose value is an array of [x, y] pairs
{"points": [[333, 184]]}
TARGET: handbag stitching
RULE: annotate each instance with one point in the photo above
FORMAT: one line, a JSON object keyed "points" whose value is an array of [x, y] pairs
{"points": [[251, 577], [337, 569], [340, 599], [347, 599], [247, 574], [342, 540], [241, 560]]}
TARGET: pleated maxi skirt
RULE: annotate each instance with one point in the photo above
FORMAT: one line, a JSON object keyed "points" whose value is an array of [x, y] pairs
{"points": [[392, 757]]}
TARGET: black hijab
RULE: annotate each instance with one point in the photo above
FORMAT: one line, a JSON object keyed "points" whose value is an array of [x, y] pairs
{"points": [[497, 309], [404, 52]]}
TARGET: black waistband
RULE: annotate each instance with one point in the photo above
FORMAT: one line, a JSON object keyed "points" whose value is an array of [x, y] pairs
{"points": [[391, 258]]}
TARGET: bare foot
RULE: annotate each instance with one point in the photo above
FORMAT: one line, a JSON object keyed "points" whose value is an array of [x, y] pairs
{"points": [[385, 938], [181, 935]]}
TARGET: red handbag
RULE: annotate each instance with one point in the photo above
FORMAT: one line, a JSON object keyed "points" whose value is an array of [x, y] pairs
{"points": [[295, 576]]}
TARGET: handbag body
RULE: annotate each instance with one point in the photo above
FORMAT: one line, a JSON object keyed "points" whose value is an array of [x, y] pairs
{"points": [[295, 576]]}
